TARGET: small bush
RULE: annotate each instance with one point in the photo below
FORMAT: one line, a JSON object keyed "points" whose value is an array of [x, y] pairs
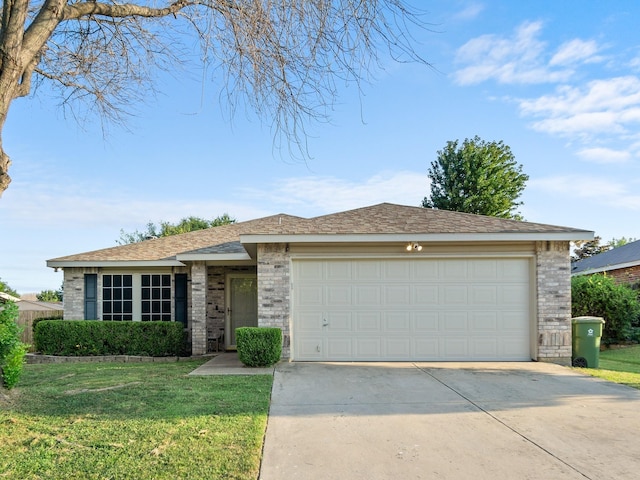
{"points": [[600, 296], [12, 350], [259, 346], [92, 337]]}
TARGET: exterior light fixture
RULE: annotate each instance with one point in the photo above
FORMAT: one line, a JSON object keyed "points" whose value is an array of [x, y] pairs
{"points": [[414, 247]]}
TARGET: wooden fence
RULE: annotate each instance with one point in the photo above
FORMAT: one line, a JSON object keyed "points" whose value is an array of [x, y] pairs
{"points": [[26, 318]]}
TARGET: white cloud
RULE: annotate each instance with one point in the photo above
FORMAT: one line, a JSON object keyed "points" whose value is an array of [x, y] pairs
{"points": [[574, 51], [309, 196], [470, 12], [604, 155], [521, 58], [603, 191], [602, 106]]}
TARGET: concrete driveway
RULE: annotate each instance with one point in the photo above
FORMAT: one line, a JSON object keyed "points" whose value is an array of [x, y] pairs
{"points": [[449, 421]]}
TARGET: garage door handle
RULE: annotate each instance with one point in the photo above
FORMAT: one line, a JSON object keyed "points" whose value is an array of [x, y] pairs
{"points": [[324, 323]]}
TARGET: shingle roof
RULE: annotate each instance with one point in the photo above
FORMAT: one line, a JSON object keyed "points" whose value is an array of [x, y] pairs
{"points": [[609, 260], [384, 218]]}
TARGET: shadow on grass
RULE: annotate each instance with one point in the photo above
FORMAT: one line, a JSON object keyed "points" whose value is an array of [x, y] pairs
{"points": [[136, 391]]}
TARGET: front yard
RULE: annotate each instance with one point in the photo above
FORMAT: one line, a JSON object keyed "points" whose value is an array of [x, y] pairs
{"points": [[620, 365], [132, 421]]}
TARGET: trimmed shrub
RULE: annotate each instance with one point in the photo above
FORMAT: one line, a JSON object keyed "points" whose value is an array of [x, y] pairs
{"points": [[12, 350], [259, 346], [36, 321], [92, 337], [600, 296]]}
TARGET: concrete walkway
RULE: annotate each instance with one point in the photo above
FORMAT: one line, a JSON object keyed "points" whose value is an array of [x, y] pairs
{"points": [[227, 363], [448, 421]]}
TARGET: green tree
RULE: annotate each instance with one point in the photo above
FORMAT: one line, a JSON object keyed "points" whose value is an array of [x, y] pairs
{"points": [[600, 296], [281, 58], [4, 287], [52, 296], [12, 350], [588, 248], [619, 242], [476, 177], [165, 229]]}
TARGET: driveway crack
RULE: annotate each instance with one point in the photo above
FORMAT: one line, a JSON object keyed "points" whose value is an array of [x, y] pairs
{"points": [[506, 425]]}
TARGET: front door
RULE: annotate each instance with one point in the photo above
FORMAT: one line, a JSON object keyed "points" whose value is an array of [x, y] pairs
{"points": [[242, 304]]}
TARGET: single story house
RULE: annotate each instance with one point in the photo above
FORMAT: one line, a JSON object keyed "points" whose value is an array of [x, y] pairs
{"points": [[381, 283], [621, 263]]}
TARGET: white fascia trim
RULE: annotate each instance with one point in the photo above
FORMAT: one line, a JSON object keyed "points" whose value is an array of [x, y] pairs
{"points": [[418, 237], [113, 263], [608, 268], [212, 257]]}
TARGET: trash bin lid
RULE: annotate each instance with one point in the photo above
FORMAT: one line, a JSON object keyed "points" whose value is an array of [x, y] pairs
{"points": [[587, 320]]}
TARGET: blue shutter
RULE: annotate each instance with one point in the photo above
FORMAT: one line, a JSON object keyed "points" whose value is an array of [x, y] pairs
{"points": [[91, 296], [181, 298]]}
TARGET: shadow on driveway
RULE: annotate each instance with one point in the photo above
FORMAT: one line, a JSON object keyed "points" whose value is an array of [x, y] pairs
{"points": [[448, 420]]}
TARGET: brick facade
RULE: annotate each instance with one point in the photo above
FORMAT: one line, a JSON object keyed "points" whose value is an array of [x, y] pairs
{"points": [[206, 297], [629, 275], [553, 302], [274, 290]]}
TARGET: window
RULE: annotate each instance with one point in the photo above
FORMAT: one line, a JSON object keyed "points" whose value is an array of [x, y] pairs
{"points": [[117, 297], [156, 297]]}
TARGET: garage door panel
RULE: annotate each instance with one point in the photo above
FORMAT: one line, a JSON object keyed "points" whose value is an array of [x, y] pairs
{"points": [[368, 321], [310, 296], [426, 322], [340, 348], [455, 321], [484, 295], [339, 295], [398, 348], [411, 309], [454, 295], [397, 295], [397, 322], [425, 294], [367, 295], [368, 348], [338, 321]]}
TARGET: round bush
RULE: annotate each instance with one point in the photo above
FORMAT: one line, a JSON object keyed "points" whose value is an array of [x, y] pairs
{"points": [[259, 346]]}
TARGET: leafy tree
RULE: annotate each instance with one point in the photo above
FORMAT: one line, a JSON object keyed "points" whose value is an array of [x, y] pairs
{"points": [[599, 296], [588, 248], [476, 177], [4, 287], [52, 296], [619, 242], [281, 58], [187, 224], [12, 350]]}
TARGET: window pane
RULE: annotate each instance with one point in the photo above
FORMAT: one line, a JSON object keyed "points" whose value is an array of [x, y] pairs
{"points": [[117, 280], [106, 294], [146, 280], [127, 280], [117, 307], [166, 293], [106, 280], [106, 307], [155, 294], [166, 280], [117, 294], [146, 307], [166, 307], [155, 280], [155, 307], [127, 307]]}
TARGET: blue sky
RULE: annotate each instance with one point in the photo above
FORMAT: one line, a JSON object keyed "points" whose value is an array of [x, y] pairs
{"points": [[559, 82]]}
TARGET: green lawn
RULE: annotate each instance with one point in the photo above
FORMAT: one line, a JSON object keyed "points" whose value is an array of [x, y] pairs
{"points": [[620, 365], [132, 421]]}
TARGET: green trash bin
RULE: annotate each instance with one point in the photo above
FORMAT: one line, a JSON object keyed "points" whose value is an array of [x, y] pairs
{"points": [[586, 333]]}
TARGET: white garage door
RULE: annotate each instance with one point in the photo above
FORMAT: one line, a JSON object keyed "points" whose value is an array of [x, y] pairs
{"points": [[413, 309]]}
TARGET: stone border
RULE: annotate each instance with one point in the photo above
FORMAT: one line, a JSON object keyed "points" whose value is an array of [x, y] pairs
{"points": [[36, 358]]}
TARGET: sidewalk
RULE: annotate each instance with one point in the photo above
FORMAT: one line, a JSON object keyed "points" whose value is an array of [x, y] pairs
{"points": [[228, 364]]}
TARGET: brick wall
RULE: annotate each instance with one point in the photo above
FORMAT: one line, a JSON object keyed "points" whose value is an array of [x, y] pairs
{"points": [[198, 308], [73, 298], [630, 275], [553, 281], [274, 292]]}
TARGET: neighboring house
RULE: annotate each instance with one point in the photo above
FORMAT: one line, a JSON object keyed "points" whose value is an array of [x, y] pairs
{"points": [[5, 297], [620, 263], [386, 282]]}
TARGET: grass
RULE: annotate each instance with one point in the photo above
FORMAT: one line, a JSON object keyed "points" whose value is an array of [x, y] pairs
{"points": [[132, 421], [621, 365]]}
